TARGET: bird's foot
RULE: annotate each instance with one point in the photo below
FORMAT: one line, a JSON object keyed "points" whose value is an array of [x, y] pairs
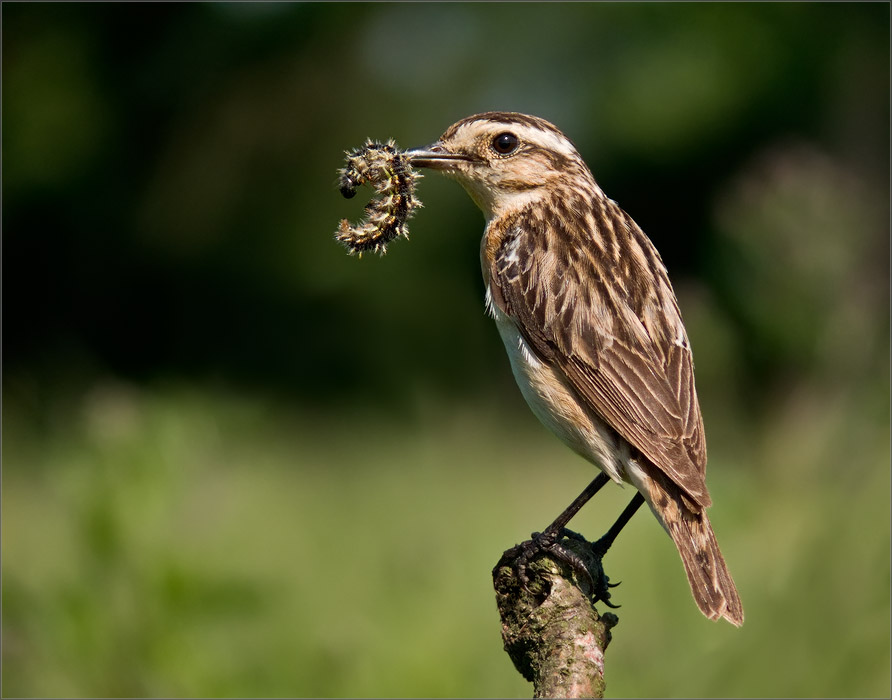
{"points": [[568, 548]]}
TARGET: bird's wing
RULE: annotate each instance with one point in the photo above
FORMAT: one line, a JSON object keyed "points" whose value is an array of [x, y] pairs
{"points": [[585, 307]]}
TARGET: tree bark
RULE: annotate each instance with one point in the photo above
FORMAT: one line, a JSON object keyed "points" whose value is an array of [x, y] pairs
{"points": [[551, 629]]}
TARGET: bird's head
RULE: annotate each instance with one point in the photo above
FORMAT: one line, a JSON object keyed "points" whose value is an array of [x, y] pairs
{"points": [[505, 160]]}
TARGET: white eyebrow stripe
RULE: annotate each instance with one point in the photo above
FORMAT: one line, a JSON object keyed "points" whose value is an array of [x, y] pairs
{"points": [[545, 138]]}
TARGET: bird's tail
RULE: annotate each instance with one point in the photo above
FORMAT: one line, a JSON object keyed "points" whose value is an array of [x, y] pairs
{"points": [[711, 583]]}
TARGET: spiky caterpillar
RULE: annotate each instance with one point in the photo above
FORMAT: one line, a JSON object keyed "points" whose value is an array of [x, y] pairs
{"points": [[386, 168]]}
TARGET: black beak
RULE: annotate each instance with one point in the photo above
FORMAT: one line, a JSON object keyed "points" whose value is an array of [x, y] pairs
{"points": [[436, 156]]}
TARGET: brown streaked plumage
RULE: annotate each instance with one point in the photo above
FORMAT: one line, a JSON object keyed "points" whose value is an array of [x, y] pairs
{"points": [[591, 324]]}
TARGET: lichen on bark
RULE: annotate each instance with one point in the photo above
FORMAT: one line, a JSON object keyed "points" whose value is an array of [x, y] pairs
{"points": [[551, 629]]}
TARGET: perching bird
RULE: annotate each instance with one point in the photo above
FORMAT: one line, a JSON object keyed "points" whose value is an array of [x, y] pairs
{"points": [[592, 327]]}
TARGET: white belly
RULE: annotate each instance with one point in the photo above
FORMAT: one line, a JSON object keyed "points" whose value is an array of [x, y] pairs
{"points": [[553, 402]]}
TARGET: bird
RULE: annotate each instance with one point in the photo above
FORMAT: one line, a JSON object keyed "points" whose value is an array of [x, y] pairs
{"points": [[592, 328]]}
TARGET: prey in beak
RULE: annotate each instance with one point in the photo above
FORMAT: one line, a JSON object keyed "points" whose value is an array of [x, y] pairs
{"points": [[393, 175], [388, 170]]}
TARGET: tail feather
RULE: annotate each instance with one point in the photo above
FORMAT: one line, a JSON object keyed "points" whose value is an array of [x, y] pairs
{"points": [[711, 583]]}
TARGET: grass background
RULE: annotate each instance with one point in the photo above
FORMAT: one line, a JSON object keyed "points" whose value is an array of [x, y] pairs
{"points": [[181, 542], [237, 462]]}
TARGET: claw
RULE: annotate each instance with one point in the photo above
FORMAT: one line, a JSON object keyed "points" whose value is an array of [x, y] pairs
{"points": [[548, 542]]}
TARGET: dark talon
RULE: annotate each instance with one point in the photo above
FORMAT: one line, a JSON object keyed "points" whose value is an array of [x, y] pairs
{"points": [[547, 542], [570, 534]]}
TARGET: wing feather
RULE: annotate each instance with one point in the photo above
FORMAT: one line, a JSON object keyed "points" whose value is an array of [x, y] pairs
{"points": [[619, 341]]}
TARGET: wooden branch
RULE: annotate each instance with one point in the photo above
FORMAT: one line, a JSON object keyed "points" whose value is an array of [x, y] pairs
{"points": [[551, 630]]}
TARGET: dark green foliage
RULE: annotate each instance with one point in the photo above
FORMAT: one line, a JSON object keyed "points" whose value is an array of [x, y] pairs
{"points": [[238, 462]]}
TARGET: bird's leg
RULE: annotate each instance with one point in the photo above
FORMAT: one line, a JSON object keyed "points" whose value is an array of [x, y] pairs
{"points": [[599, 548], [602, 545], [554, 531], [547, 541]]}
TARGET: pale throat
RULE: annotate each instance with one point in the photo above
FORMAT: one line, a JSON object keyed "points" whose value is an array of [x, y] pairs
{"points": [[496, 202]]}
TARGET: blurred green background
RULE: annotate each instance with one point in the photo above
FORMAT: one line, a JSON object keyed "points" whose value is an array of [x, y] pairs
{"points": [[238, 462]]}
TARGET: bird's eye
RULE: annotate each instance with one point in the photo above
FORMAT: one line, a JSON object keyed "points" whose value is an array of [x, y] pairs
{"points": [[506, 143]]}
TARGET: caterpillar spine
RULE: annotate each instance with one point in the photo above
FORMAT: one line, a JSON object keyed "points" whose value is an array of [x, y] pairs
{"points": [[387, 169]]}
